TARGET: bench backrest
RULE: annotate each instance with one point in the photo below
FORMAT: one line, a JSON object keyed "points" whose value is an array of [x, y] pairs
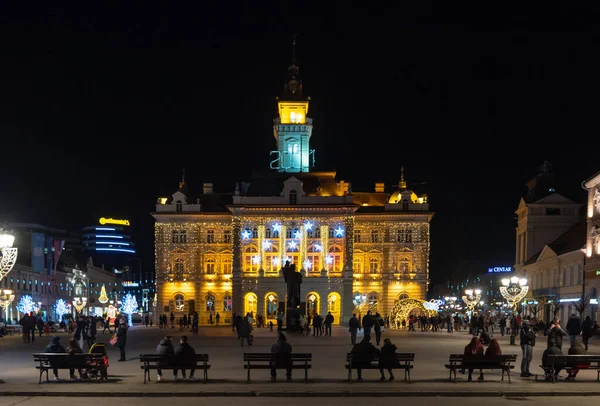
{"points": [[66, 360], [249, 357], [486, 360], [400, 357], [575, 357], [173, 359]]}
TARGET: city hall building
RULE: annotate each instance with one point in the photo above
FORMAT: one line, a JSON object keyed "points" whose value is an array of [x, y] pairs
{"points": [[223, 252]]}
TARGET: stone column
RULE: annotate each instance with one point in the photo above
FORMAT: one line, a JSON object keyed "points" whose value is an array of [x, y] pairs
{"points": [[236, 279], [348, 274]]}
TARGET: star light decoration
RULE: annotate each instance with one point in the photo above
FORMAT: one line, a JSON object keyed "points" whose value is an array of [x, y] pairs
{"points": [[308, 226], [245, 234], [318, 247], [277, 227], [329, 260], [297, 234], [292, 245], [339, 232], [266, 245], [307, 264], [256, 259], [275, 261]]}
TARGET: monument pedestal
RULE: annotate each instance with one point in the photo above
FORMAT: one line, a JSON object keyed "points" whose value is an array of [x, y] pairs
{"points": [[292, 321]]}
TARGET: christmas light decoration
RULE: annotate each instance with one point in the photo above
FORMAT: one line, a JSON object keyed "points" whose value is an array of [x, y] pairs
{"points": [[61, 308], [339, 232], [103, 298], [403, 307], [297, 235], [26, 305], [129, 306], [292, 245], [318, 247], [308, 226], [246, 234]]}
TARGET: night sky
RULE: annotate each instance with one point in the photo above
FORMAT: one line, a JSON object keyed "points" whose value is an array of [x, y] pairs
{"points": [[102, 107]]}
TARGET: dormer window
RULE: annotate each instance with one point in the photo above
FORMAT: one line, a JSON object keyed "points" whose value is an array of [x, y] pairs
{"points": [[293, 197], [178, 206]]}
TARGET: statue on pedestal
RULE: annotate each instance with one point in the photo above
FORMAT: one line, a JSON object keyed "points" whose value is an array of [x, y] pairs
{"points": [[293, 280]]}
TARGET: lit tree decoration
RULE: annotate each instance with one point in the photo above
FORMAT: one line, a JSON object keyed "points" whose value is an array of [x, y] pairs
{"points": [[61, 308], [103, 298], [26, 305], [129, 307]]}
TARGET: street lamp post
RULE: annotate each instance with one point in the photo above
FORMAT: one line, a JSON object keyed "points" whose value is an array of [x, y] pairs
{"points": [[514, 290], [472, 298], [7, 262], [79, 303], [6, 299]]}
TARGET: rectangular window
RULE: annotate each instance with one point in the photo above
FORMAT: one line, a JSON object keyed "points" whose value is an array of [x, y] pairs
{"points": [[356, 235], [268, 233], [374, 236], [579, 274], [210, 236], [182, 236], [227, 236], [564, 277], [572, 278], [552, 211], [331, 233], [409, 236], [175, 238], [318, 232]]}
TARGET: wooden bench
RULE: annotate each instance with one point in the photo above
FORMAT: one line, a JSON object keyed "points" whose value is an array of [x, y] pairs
{"points": [[157, 361], [403, 361], [49, 361], [591, 361], [462, 362], [268, 360]]}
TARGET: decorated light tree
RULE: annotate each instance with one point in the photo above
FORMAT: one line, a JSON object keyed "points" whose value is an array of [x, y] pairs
{"points": [[26, 305], [129, 307], [61, 308], [103, 298]]}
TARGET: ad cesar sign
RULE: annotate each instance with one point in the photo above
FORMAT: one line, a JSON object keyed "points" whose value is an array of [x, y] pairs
{"points": [[500, 269]]}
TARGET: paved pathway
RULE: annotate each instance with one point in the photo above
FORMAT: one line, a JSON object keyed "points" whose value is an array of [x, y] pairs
{"points": [[327, 377]]}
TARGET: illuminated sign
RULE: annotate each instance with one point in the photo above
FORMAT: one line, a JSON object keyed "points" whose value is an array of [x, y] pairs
{"points": [[499, 269], [104, 220], [130, 284]]}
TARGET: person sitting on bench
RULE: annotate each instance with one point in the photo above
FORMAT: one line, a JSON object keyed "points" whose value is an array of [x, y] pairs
{"points": [[387, 359], [474, 348], [362, 355], [186, 350], [55, 347], [577, 348], [282, 351], [547, 362]]}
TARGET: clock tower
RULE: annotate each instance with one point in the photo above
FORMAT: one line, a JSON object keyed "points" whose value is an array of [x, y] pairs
{"points": [[292, 128]]}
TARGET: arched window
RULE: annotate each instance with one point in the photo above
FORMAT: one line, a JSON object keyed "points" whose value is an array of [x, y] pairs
{"points": [[357, 265], [251, 259], [372, 300], [373, 265], [227, 303], [178, 206], [271, 305], [293, 197], [403, 295], [210, 303], [210, 266], [179, 302], [227, 266], [255, 232]]}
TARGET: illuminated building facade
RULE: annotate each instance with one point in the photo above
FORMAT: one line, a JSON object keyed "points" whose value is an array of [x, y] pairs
{"points": [[223, 252]]}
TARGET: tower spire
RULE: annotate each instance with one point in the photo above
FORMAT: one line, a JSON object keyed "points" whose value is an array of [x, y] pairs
{"points": [[182, 181], [294, 49], [402, 181]]}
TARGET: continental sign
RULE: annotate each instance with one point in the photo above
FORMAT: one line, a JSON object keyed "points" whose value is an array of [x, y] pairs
{"points": [[121, 222]]}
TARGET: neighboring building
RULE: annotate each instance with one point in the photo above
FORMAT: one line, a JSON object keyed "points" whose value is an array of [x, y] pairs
{"points": [[109, 244], [223, 252], [548, 250], [46, 268], [592, 243]]}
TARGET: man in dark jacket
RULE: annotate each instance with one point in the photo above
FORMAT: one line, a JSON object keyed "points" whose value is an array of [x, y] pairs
{"points": [[186, 351], [282, 351], [547, 361], [56, 348], [362, 354], [367, 323], [587, 330], [328, 322], [164, 347], [527, 336], [353, 327], [573, 327]]}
